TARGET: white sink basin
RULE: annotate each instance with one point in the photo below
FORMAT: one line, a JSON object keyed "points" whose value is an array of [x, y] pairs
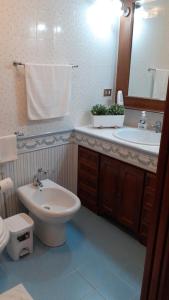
{"points": [[138, 136]]}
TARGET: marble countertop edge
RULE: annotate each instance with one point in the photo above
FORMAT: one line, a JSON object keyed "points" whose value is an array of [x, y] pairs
{"points": [[100, 134]]}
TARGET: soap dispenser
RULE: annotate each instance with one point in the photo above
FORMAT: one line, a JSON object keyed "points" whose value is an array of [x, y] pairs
{"points": [[143, 121]]}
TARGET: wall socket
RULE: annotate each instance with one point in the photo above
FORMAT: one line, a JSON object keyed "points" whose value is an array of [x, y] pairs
{"points": [[107, 92]]}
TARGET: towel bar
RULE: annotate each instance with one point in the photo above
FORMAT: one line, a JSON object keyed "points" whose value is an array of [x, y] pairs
{"points": [[151, 69], [16, 64], [19, 133]]}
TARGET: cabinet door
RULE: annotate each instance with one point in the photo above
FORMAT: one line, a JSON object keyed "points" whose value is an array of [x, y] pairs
{"points": [[88, 168], [109, 185], [148, 200], [131, 191]]}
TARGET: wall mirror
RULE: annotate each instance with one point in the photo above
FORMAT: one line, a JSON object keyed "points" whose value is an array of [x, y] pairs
{"points": [[143, 60]]}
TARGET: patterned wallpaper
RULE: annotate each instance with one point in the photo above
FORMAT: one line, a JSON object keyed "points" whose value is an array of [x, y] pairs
{"points": [[52, 31]]}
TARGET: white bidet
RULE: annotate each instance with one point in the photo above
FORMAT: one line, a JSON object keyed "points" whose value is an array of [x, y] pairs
{"points": [[50, 207]]}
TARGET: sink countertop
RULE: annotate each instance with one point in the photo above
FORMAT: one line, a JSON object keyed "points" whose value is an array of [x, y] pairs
{"points": [[108, 134]]}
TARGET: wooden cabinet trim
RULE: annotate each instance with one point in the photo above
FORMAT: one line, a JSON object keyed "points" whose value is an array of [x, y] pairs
{"points": [[123, 66], [88, 165]]}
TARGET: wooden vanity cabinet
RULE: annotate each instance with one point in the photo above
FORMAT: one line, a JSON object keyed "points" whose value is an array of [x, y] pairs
{"points": [[109, 186], [116, 189], [88, 172], [130, 199], [147, 204], [120, 191]]}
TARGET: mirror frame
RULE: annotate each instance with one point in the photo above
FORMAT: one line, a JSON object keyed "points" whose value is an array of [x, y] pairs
{"points": [[123, 66]]}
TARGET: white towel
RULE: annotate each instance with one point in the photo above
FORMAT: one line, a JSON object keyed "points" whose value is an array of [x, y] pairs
{"points": [[8, 148], [16, 293], [48, 90], [160, 84]]}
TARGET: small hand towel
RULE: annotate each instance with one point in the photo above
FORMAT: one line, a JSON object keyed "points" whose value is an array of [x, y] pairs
{"points": [[8, 148], [17, 293], [161, 77], [48, 90]]}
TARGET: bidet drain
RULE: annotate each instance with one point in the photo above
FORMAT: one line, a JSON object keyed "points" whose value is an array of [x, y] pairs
{"points": [[46, 207]]}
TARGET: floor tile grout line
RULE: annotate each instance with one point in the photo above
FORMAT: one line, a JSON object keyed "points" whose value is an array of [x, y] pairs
{"points": [[97, 293], [133, 287], [68, 274], [113, 273], [92, 285], [75, 271], [125, 264], [121, 278], [124, 281], [118, 277]]}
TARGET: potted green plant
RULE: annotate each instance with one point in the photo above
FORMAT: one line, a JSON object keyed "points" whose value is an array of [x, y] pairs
{"points": [[103, 116]]}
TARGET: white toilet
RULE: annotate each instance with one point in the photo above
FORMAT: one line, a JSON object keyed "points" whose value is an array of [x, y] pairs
{"points": [[4, 235], [50, 206]]}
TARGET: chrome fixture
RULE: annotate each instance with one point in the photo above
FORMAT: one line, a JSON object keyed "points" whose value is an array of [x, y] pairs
{"points": [[36, 181], [137, 3], [17, 64], [151, 69], [142, 124], [19, 133], [41, 171], [157, 126]]}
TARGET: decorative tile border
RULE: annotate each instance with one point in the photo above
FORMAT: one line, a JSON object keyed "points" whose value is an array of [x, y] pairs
{"points": [[138, 158], [36, 143], [124, 153]]}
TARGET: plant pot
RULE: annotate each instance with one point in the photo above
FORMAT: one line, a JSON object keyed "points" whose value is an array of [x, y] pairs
{"points": [[108, 121]]}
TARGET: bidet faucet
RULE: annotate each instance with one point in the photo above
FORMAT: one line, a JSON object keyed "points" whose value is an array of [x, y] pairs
{"points": [[36, 181]]}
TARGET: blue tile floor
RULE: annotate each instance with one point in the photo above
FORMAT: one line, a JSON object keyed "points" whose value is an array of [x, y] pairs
{"points": [[98, 261]]}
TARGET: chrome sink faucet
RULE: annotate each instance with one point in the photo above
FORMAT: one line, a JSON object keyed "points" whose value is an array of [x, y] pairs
{"points": [[36, 181], [157, 126]]}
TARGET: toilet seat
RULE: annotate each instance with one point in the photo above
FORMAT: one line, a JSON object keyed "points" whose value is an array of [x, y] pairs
{"points": [[4, 235]]}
